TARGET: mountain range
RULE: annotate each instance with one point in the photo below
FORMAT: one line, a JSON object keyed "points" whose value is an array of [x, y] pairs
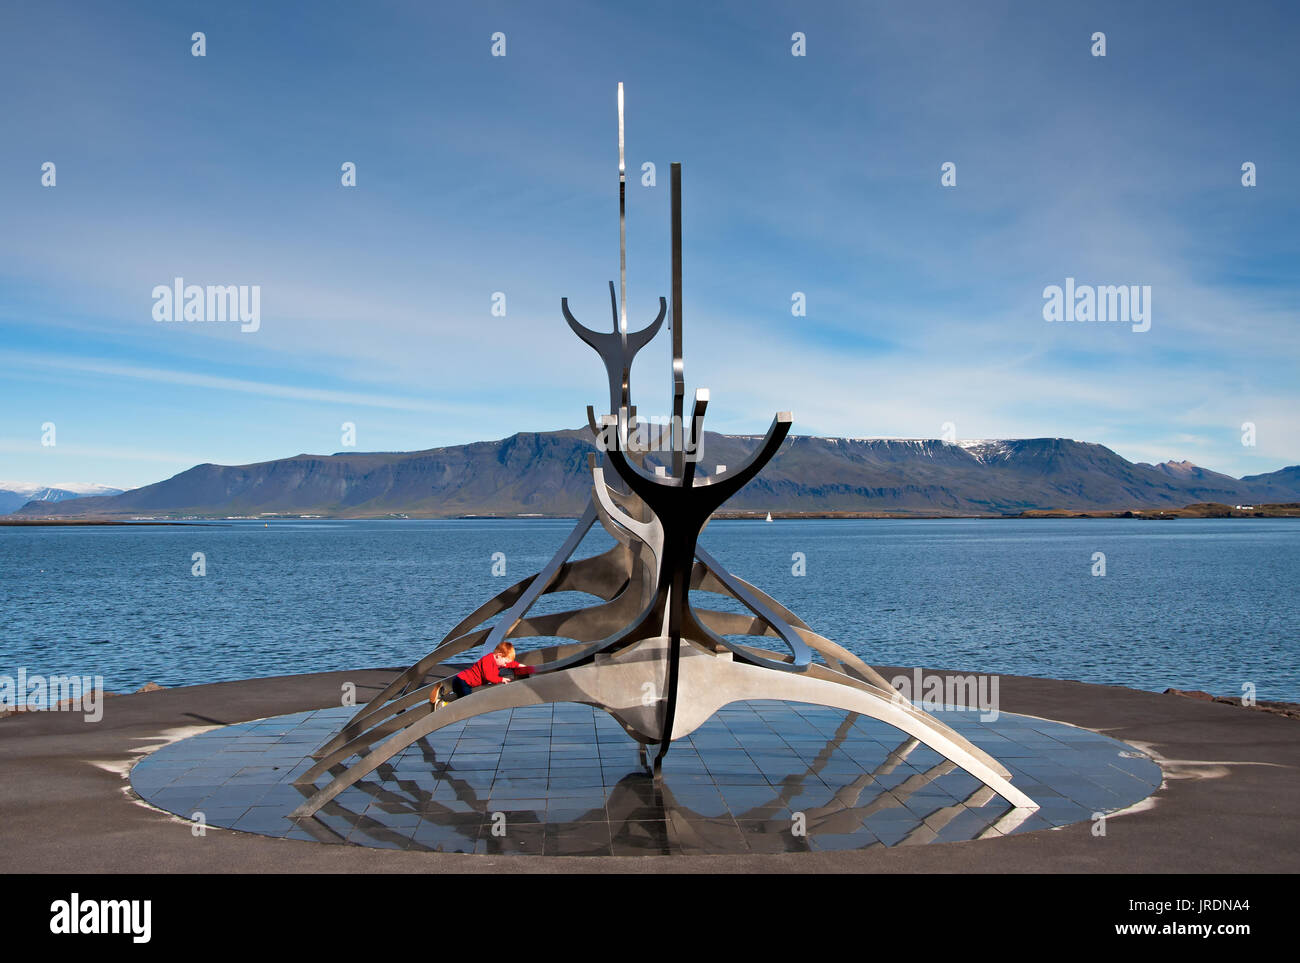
{"points": [[546, 473], [14, 495]]}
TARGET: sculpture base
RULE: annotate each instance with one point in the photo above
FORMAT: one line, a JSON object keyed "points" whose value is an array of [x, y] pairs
{"points": [[759, 776]]}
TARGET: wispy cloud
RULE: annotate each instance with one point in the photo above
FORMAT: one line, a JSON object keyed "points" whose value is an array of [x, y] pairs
{"points": [[109, 453], [818, 175], [217, 383]]}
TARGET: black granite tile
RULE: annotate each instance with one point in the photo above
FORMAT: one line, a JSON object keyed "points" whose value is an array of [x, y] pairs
{"points": [[559, 811], [578, 839], [701, 837], [223, 816], [640, 846], [708, 804], [1032, 824], [264, 819], [894, 833], [516, 840], [446, 839], [771, 836], [375, 816]]}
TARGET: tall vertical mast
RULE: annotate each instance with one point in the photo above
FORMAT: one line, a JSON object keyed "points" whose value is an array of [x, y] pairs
{"points": [[622, 222], [675, 323]]}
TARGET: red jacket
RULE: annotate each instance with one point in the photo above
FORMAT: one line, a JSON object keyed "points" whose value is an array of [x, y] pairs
{"points": [[485, 670]]}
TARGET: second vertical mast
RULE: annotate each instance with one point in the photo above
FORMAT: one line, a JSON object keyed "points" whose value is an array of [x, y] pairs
{"points": [[622, 222]]}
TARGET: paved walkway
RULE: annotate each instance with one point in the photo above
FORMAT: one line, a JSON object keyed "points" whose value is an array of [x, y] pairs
{"points": [[1232, 778]]}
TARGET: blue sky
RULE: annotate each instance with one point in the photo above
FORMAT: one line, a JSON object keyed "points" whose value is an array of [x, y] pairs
{"points": [[478, 174]]}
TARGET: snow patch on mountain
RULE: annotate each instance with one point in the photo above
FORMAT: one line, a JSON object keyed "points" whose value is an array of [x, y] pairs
{"points": [[985, 450], [14, 495], [31, 489]]}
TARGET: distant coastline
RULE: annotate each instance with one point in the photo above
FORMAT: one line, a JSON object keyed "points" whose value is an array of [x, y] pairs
{"points": [[38, 522], [1198, 510]]}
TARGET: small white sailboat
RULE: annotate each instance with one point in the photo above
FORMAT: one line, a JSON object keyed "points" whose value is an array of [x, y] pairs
{"points": [[769, 516]]}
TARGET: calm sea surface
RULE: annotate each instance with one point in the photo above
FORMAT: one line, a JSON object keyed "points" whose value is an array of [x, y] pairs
{"points": [[1197, 604]]}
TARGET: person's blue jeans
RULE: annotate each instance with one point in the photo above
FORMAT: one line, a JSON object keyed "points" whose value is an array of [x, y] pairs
{"points": [[460, 687]]}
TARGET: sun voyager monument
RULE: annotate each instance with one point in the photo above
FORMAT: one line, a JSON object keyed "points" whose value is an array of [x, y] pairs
{"points": [[644, 652]]}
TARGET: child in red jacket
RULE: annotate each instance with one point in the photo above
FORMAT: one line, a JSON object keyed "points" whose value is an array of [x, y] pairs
{"points": [[486, 671]]}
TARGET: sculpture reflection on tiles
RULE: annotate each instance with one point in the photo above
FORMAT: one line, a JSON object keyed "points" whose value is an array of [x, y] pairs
{"points": [[645, 654], [651, 819]]}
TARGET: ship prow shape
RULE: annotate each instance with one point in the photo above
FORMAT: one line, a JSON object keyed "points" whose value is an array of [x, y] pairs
{"points": [[643, 652]]}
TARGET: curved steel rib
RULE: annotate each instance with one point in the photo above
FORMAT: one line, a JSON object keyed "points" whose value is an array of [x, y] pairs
{"points": [[740, 591], [542, 580], [616, 685]]}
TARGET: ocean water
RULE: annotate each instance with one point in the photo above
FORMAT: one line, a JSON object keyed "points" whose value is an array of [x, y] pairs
{"points": [[1196, 604]]}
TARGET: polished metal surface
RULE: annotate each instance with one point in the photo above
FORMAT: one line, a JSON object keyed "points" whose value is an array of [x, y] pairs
{"points": [[622, 220]]}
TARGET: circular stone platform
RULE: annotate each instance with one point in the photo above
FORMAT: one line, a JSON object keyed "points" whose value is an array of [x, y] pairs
{"points": [[565, 780]]}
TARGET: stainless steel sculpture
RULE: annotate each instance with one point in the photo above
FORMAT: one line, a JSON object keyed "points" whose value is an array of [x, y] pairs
{"points": [[645, 654]]}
